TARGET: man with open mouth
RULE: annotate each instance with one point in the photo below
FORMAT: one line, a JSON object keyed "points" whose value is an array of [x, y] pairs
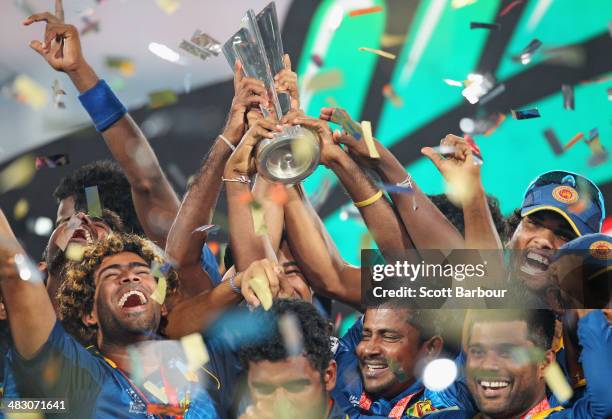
{"points": [[107, 304], [558, 207]]}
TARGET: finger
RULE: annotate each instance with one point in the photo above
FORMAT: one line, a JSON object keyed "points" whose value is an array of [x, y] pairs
{"points": [[238, 75], [59, 10], [49, 38], [287, 62], [253, 100], [248, 85], [249, 296], [326, 114], [271, 275], [41, 17], [268, 125], [431, 154], [38, 47]]}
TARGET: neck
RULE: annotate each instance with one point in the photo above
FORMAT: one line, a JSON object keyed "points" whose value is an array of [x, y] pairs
{"points": [[516, 415], [118, 353]]}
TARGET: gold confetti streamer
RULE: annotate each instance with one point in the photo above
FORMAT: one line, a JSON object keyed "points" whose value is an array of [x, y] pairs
{"points": [[22, 207], [168, 6], [30, 92], [159, 393], [556, 382], [159, 295], [325, 80], [366, 127], [195, 351], [17, 174], [261, 288], [75, 251], [259, 221], [382, 53]]}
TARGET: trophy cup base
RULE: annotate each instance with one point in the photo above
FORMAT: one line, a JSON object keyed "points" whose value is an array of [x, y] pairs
{"points": [[290, 157]]}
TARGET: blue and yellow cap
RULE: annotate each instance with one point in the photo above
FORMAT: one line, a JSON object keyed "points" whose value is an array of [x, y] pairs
{"points": [[595, 250], [578, 200]]}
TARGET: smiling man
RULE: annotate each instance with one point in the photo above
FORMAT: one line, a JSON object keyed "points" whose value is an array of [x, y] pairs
{"points": [[558, 206], [106, 302]]}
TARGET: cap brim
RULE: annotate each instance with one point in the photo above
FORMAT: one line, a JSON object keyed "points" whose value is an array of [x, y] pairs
{"points": [[573, 223]]}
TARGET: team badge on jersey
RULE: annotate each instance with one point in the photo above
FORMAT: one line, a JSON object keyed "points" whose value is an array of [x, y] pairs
{"points": [[601, 249]]}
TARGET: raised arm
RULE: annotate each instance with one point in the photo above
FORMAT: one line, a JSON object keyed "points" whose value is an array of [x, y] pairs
{"points": [[30, 313], [316, 253], [427, 226], [199, 203], [386, 229], [154, 199]]}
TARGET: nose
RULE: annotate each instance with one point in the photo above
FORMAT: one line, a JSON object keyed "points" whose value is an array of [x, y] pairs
{"points": [[490, 361], [129, 276], [369, 348], [544, 239]]}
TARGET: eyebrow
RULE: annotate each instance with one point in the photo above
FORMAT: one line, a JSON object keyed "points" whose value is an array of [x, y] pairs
{"points": [[300, 381], [119, 266]]}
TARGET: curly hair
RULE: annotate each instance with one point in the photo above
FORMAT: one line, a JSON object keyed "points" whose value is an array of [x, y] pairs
{"points": [[455, 214], [315, 337], [114, 189], [76, 294], [513, 221]]}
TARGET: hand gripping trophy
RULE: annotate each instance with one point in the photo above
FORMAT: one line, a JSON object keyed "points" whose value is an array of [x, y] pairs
{"points": [[292, 154]]}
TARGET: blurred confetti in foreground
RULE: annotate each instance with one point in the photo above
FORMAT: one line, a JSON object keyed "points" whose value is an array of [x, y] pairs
{"points": [[557, 383], [94, 204], [599, 154], [168, 6], [290, 330], [58, 92], [123, 65], [75, 252], [162, 98], [51, 162], [28, 91], [439, 374], [329, 79], [378, 52], [526, 55], [21, 209], [17, 174], [476, 86], [525, 114], [27, 269], [195, 351]]}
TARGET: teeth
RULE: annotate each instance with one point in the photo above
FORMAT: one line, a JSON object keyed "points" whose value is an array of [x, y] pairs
{"points": [[538, 258], [494, 384], [127, 295], [88, 237], [376, 367]]}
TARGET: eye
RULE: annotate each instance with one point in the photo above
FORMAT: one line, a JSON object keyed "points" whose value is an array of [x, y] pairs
{"points": [[391, 337], [263, 389], [476, 352], [366, 336], [296, 387]]}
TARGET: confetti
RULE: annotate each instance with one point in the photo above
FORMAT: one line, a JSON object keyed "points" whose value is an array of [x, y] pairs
{"points": [[207, 228], [316, 58], [379, 52], [366, 128], [610, 93], [453, 82], [261, 288], [51, 162], [496, 123], [123, 65], [17, 174], [90, 25], [458, 4], [321, 194], [524, 356], [165, 410], [598, 158], [62, 240], [389, 40], [21, 209], [390, 94], [159, 295], [568, 96], [525, 114], [476, 154], [162, 98], [290, 330], [395, 188], [159, 393], [553, 141], [325, 80], [25, 7], [75, 252], [366, 11], [27, 269], [498, 90], [525, 56], [58, 92], [195, 351], [573, 141], [509, 7], [477, 86], [27, 91], [570, 56], [94, 205], [557, 383], [444, 149], [259, 220], [201, 45], [481, 25], [352, 128], [168, 6]]}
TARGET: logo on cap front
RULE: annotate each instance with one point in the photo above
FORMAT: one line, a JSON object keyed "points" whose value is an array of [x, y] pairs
{"points": [[601, 249], [565, 194]]}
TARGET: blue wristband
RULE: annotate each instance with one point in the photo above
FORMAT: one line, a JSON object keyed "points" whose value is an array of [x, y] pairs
{"points": [[102, 105]]}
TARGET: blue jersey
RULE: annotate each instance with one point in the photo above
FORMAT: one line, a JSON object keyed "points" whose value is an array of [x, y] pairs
{"points": [[210, 265], [91, 386], [349, 391]]}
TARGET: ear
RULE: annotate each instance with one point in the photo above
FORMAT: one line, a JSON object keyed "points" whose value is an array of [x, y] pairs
{"points": [[90, 319], [549, 358], [552, 297], [3, 315], [432, 347], [329, 376], [164, 310]]}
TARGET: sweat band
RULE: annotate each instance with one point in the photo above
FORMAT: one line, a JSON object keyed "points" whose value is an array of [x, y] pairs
{"points": [[102, 105], [370, 200]]}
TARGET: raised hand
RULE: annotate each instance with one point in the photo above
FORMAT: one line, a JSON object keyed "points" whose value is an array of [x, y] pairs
{"points": [[286, 81], [241, 162], [249, 93], [330, 151]]}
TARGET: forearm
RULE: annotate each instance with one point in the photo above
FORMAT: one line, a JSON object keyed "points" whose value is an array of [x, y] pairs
{"points": [[273, 211], [427, 226], [196, 210], [154, 199], [196, 313], [480, 231], [318, 259], [380, 218], [247, 247]]}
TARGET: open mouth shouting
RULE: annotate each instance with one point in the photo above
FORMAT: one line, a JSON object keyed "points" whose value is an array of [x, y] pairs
{"points": [[535, 262], [83, 236], [132, 300]]}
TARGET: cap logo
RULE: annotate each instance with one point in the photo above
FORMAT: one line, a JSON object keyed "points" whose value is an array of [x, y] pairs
{"points": [[601, 249], [565, 194]]}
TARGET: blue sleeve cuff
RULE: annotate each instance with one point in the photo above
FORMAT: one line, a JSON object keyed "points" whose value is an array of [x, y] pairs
{"points": [[102, 105]]}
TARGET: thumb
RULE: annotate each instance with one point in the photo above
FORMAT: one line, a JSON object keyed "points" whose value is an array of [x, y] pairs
{"points": [[432, 155], [37, 46], [287, 62]]}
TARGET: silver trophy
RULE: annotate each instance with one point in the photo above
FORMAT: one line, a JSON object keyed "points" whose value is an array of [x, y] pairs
{"points": [[292, 154]]}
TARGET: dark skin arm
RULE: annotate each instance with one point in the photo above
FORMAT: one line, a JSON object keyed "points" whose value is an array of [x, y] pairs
{"points": [[316, 254], [30, 313], [154, 199], [386, 229], [427, 226]]}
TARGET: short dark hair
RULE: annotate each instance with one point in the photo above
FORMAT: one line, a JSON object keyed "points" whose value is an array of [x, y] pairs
{"points": [[454, 213], [113, 186], [540, 323], [315, 338], [426, 321], [513, 221]]}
